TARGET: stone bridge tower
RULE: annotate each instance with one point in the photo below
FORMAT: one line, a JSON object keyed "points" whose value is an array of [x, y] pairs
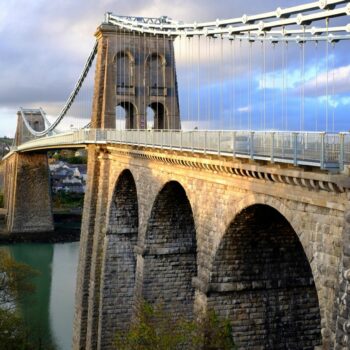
{"points": [[136, 75], [27, 194], [34, 118]]}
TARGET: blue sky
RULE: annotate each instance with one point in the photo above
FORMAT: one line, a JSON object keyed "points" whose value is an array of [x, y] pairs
{"points": [[45, 44]]}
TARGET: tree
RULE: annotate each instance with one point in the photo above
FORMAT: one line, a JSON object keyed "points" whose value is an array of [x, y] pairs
{"points": [[15, 280], [155, 329], [14, 283]]}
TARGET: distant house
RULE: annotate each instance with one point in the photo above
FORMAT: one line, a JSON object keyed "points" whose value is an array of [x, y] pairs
{"points": [[68, 178]]}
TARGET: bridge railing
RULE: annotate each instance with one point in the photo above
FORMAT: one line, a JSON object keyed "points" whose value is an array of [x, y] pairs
{"points": [[326, 150]]}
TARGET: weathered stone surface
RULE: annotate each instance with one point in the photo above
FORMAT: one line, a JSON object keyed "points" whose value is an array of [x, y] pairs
{"points": [[289, 277], [141, 86], [262, 282], [28, 193]]}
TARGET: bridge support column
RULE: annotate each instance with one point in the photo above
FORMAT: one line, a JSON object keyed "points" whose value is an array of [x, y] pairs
{"points": [[342, 333], [93, 230], [28, 195]]}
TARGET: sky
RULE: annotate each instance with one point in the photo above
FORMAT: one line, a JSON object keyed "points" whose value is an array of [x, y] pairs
{"points": [[44, 45]]}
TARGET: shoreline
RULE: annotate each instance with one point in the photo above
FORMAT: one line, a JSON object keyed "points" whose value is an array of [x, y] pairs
{"points": [[67, 229]]}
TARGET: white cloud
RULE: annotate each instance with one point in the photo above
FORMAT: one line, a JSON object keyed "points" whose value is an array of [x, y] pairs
{"points": [[338, 81], [45, 44], [245, 109]]}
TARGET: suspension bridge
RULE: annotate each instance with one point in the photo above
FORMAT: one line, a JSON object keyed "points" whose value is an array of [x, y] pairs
{"points": [[188, 126], [255, 123]]}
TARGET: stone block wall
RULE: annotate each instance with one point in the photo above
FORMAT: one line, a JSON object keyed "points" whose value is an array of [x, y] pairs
{"points": [[118, 263], [295, 282], [342, 314], [28, 193], [262, 282], [169, 253]]}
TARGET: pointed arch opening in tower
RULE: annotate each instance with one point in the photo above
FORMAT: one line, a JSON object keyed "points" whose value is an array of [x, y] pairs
{"points": [[126, 116], [156, 116], [156, 75], [125, 74]]}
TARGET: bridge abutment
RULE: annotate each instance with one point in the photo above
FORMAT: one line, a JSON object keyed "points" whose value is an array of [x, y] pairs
{"points": [[28, 193]]}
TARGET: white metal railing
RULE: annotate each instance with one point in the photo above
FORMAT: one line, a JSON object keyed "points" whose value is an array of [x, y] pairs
{"points": [[326, 150]]}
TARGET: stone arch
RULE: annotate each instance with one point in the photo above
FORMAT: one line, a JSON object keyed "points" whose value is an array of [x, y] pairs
{"points": [[119, 263], [169, 261], [155, 64], [261, 280], [124, 65], [159, 116], [127, 111]]}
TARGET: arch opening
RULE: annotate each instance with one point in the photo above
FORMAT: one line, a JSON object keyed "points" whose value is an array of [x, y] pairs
{"points": [[170, 261], [126, 116], [156, 74], [262, 282], [125, 73], [156, 116], [119, 263]]}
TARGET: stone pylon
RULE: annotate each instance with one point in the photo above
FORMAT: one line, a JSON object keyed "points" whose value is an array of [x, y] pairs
{"points": [[136, 76]]}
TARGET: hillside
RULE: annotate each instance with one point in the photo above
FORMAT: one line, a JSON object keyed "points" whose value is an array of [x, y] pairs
{"points": [[5, 144]]}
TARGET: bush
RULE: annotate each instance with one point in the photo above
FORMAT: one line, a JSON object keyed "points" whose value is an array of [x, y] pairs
{"points": [[67, 200], [154, 328], [14, 284]]}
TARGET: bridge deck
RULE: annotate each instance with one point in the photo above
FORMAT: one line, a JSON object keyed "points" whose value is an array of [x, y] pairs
{"points": [[324, 150]]}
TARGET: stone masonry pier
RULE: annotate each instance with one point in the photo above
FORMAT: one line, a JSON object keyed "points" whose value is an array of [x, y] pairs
{"points": [[265, 245]]}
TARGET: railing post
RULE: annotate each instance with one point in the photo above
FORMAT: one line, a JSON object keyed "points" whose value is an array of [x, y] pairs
{"points": [[234, 144], [295, 148], [181, 139], [161, 138], [272, 147], [341, 151], [219, 142], [138, 137], [323, 150], [152, 138], [171, 139], [192, 141], [251, 144], [205, 142]]}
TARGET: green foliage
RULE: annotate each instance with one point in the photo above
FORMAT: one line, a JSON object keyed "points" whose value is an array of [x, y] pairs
{"points": [[71, 159], [155, 329], [66, 200], [13, 333], [15, 280], [6, 140], [14, 284]]}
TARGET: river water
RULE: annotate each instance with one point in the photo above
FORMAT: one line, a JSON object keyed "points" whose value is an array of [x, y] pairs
{"points": [[49, 311]]}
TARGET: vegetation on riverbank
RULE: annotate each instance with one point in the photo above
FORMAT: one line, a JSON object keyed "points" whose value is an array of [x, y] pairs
{"points": [[15, 282], [67, 200], [155, 328], [68, 157]]}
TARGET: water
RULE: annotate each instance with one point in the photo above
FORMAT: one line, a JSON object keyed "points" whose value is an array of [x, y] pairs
{"points": [[49, 311]]}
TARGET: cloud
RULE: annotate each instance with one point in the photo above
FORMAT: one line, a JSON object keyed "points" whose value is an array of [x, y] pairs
{"points": [[245, 109], [335, 80], [45, 44]]}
